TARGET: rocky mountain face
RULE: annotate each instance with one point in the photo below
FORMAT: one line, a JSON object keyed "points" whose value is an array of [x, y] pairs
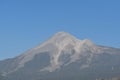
{"points": [[63, 57]]}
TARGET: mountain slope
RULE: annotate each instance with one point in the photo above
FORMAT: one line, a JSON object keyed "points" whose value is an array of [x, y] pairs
{"points": [[63, 57]]}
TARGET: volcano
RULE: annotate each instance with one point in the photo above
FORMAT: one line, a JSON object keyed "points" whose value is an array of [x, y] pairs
{"points": [[63, 57]]}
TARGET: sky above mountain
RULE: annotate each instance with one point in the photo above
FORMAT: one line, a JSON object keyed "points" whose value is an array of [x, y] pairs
{"points": [[26, 23]]}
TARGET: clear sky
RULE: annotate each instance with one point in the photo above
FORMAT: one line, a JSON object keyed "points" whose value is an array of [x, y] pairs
{"points": [[26, 23]]}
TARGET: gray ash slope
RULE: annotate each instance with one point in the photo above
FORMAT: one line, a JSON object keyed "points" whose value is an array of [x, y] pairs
{"points": [[62, 57]]}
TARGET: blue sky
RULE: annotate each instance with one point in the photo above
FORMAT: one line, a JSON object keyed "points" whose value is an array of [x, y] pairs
{"points": [[26, 23]]}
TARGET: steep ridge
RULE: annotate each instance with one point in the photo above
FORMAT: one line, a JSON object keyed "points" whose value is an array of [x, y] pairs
{"points": [[56, 45]]}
